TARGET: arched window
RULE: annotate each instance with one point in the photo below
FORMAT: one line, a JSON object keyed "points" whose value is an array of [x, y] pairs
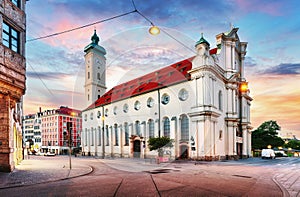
{"points": [[184, 128], [126, 129], [166, 122], [92, 137], [107, 135], [220, 96], [88, 75], [98, 114], [151, 128], [99, 136], [116, 135], [85, 136], [137, 127], [98, 76]]}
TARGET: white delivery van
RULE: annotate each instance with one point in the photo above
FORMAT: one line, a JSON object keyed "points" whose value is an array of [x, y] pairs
{"points": [[267, 154]]}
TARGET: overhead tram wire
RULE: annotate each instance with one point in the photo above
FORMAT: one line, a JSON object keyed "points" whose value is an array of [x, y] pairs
{"points": [[108, 19], [27, 62], [81, 27], [98, 22]]}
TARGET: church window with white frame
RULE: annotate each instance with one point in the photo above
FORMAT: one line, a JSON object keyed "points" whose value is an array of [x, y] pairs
{"points": [[125, 108], [220, 98], [99, 136], [107, 135], [137, 127], [137, 105], [150, 102], [183, 94], [165, 99], [151, 128], [184, 128], [166, 126], [126, 129], [116, 135]]}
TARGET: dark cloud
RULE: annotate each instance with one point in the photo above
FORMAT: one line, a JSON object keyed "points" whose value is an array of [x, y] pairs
{"points": [[284, 69], [46, 75]]}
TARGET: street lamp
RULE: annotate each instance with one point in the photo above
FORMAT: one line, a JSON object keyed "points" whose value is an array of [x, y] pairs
{"points": [[69, 129], [243, 87], [154, 30], [269, 146]]}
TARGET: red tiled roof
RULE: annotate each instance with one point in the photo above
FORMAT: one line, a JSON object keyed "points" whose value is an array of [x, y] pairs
{"points": [[164, 77], [68, 111]]}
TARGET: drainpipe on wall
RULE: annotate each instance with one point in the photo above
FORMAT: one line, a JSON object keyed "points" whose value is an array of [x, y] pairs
{"points": [[103, 145], [158, 113]]}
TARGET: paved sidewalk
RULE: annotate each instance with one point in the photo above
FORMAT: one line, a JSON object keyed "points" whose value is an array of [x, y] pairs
{"points": [[34, 171], [290, 181]]}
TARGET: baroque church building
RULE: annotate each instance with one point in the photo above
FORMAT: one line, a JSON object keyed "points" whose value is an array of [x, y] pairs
{"points": [[201, 102]]}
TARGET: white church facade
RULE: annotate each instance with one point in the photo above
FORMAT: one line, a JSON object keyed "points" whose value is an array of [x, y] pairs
{"points": [[200, 102]]}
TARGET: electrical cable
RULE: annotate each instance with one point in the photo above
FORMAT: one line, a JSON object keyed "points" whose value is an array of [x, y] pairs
{"points": [[81, 27]]}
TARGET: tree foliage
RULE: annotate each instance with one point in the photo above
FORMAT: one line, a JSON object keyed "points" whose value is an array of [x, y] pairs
{"points": [[294, 144], [158, 143], [266, 134]]}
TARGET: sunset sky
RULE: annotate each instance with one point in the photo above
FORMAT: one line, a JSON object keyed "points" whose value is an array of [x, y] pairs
{"points": [[55, 65]]}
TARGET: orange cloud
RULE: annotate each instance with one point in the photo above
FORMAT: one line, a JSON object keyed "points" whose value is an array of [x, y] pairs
{"points": [[276, 97]]}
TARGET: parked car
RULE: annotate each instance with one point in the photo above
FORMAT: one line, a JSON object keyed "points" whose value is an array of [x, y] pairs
{"points": [[267, 154], [280, 153], [49, 154], [40, 154]]}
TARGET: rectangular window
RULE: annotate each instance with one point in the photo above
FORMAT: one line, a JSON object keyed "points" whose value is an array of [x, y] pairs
{"points": [[11, 37], [17, 3]]}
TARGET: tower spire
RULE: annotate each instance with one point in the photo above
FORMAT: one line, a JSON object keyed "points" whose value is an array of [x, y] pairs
{"points": [[95, 39]]}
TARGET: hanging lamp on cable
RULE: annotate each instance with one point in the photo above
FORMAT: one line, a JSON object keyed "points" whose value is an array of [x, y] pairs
{"points": [[154, 30]]}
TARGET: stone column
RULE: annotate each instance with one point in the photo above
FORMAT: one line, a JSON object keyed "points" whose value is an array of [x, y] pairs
{"points": [[200, 139], [249, 143], [245, 143]]}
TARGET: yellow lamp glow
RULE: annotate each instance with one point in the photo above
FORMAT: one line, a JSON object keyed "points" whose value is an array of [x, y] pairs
{"points": [[154, 30], [243, 86], [269, 146]]}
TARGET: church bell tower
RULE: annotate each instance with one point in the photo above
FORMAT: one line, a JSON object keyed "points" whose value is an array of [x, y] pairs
{"points": [[95, 70]]}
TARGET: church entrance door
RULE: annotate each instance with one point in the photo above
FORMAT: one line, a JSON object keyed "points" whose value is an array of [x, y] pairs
{"points": [[137, 148], [184, 152]]}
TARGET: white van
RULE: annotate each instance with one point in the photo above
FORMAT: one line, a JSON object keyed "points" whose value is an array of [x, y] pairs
{"points": [[267, 154]]}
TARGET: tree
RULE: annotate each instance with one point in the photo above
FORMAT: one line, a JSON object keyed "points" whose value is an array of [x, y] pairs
{"points": [[159, 143], [294, 144], [266, 134]]}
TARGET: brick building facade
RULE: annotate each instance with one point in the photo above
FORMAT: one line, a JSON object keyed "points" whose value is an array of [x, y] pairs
{"points": [[12, 81]]}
